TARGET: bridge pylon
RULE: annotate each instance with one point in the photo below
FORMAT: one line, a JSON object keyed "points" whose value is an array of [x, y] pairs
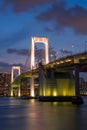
{"points": [[33, 65], [12, 79]]}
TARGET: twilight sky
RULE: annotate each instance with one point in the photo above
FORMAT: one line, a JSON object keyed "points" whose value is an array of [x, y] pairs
{"points": [[63, 22]]}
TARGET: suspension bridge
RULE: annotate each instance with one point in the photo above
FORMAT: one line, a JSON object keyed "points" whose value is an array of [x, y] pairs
{"points": [[57, 78]]}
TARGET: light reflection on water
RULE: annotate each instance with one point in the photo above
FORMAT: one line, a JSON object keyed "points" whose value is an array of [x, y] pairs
{"points": [[17, 114]]}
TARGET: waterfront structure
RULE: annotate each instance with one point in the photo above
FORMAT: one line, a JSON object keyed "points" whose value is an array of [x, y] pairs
{"points": [[83, 87], [67, 70], [5, 79], [56, 83]]}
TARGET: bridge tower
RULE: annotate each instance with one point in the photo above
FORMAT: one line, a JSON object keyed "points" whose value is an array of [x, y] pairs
{"points": [[33, 65], [12, 78], [40, 40]]}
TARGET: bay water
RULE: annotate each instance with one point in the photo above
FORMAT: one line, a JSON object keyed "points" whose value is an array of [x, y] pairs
{"points": [[18, 114]]}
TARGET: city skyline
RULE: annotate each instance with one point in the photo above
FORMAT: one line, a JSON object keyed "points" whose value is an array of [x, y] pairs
{"points": [[63, 22]]}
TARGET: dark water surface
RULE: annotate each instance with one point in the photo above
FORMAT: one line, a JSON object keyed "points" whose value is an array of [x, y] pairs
{"points": [[17, 114]]}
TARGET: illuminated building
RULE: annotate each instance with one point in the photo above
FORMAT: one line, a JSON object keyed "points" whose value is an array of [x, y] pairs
{"points": [[5, 79]]}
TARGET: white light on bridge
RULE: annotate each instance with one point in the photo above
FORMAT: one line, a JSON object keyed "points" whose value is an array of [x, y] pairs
{"points": [[43, 40], [32, 93]]}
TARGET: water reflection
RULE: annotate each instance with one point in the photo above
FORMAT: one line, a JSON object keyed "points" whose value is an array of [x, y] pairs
{"points": [[17, 114]]}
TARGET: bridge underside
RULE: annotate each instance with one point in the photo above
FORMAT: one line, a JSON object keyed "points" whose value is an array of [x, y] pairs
{"points": [[60, 82]]}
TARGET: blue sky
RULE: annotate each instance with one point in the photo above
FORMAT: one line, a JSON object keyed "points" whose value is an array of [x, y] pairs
{"points": [[63, 22]]}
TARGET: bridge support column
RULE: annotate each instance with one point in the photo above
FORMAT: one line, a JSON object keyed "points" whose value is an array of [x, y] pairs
{"points": [[77, 90], [77, 99], [11, 92], [19, 91], [32, 87], [50, 73]]}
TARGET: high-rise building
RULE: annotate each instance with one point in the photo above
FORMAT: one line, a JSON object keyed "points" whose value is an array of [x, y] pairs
{"points": [[5, 79]]}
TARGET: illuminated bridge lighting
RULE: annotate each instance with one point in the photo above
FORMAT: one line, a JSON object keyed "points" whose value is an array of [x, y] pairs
{"points": [[59, 86]]}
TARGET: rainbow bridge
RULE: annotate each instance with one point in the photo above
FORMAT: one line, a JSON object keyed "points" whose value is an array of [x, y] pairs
{"points": [[52, 80]]}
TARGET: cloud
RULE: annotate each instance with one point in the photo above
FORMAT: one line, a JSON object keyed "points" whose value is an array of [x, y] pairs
{"points": [[18, 52], [24, 52], [23, 5], [62, 17], [6, 67]]}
